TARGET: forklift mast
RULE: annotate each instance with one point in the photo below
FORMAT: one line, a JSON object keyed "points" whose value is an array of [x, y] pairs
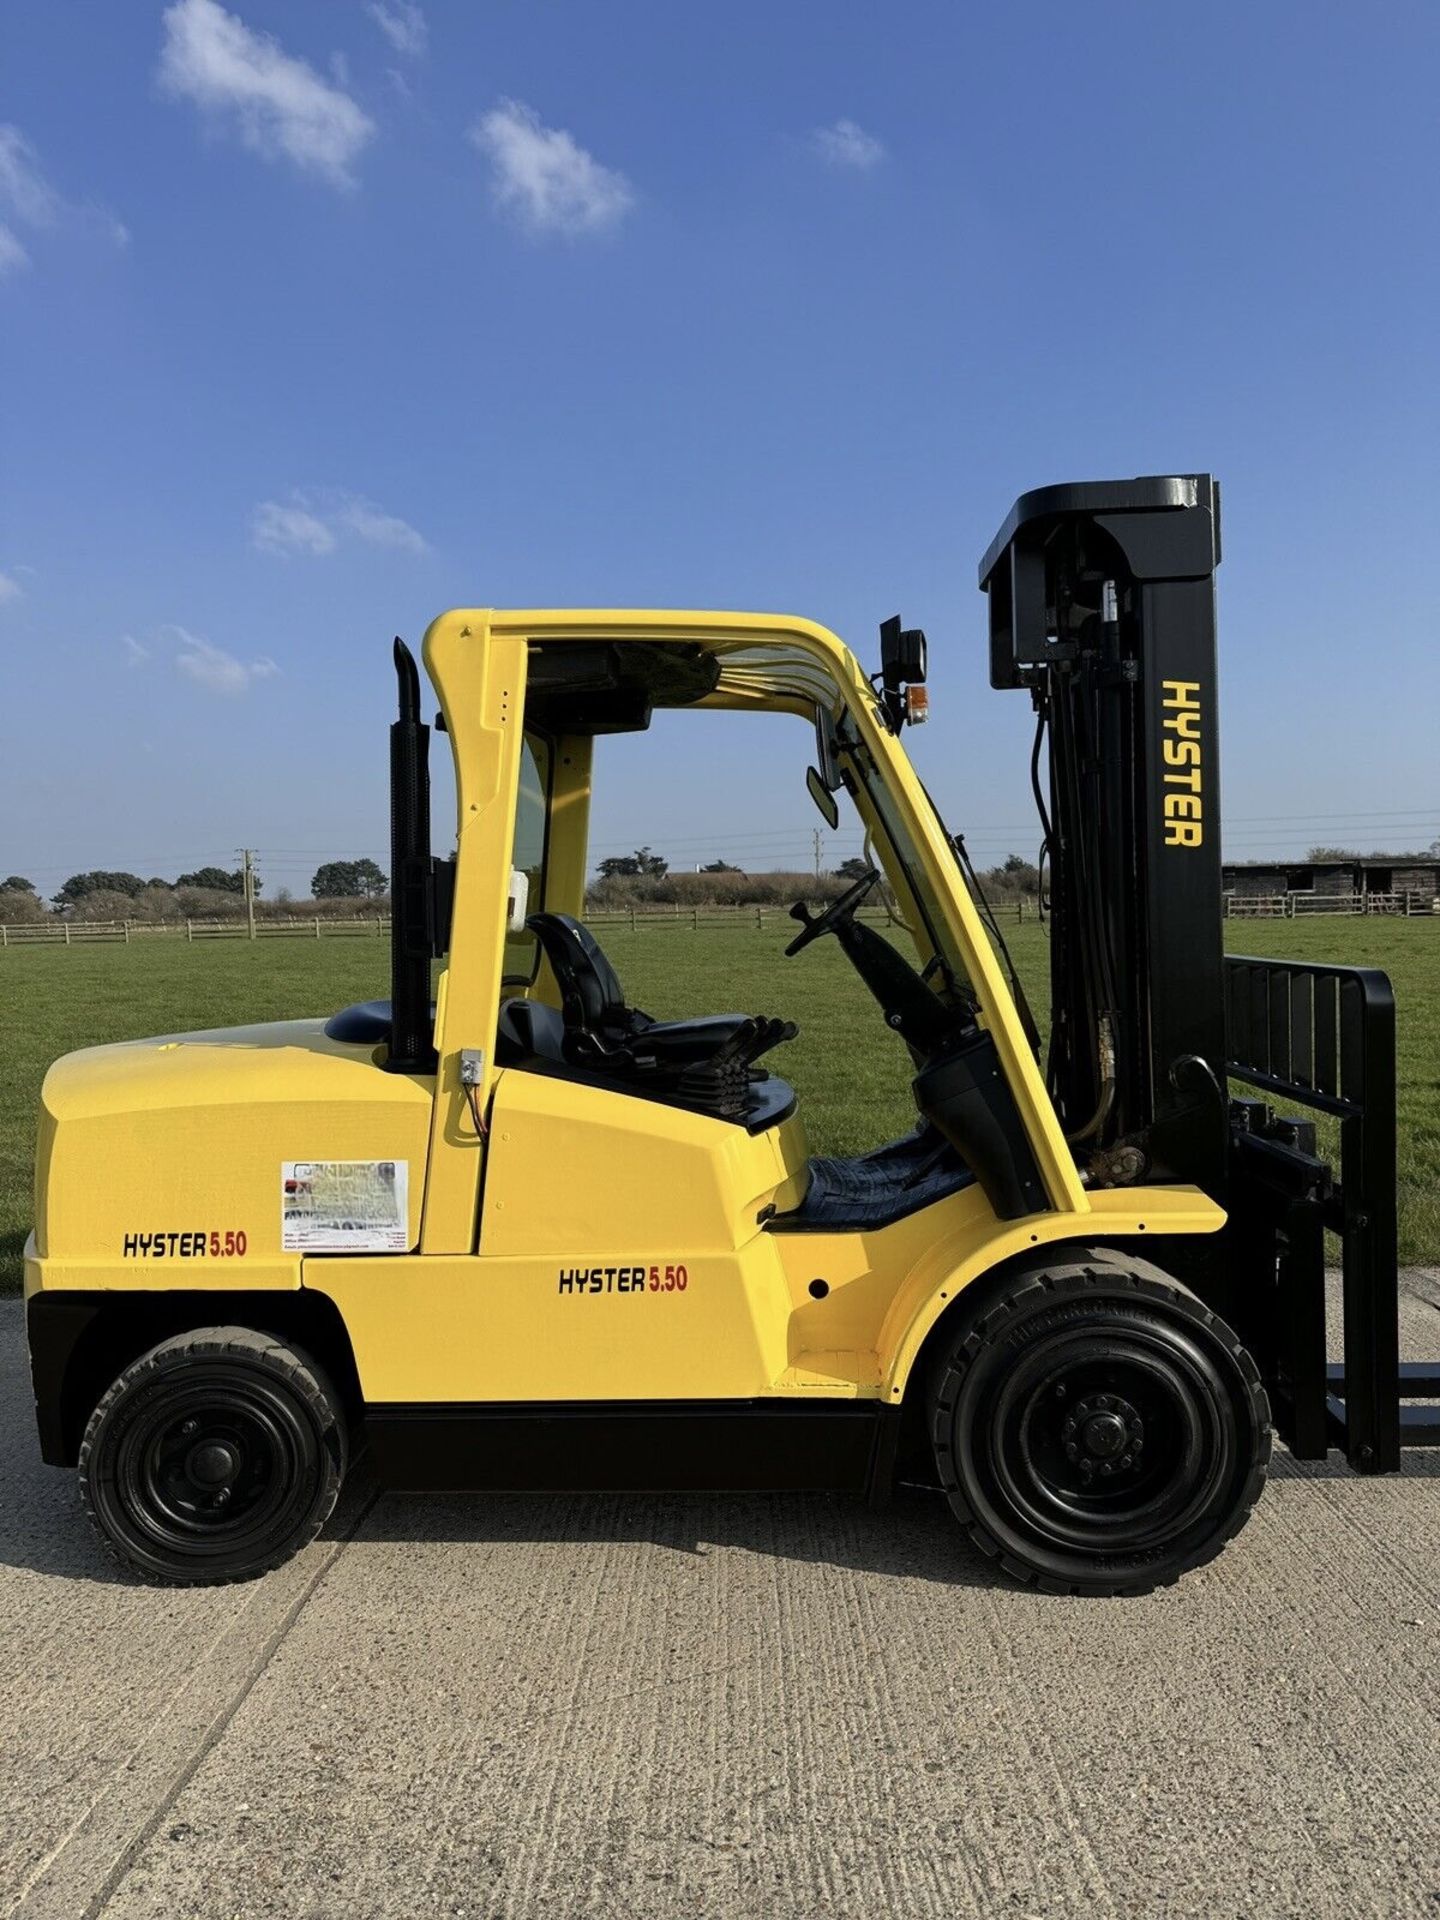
{"points": [[1102, 603]]}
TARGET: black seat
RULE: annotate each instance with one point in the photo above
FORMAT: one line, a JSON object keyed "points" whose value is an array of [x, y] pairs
{"points": [[366, 1024], [529, 1030], [706, 1062]]}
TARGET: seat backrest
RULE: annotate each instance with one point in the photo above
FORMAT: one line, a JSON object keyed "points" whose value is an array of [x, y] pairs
{"points": [[527, 1030], [589, 986]]}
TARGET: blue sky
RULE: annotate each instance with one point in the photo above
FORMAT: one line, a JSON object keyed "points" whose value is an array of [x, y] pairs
{"points": [[317, 318]]}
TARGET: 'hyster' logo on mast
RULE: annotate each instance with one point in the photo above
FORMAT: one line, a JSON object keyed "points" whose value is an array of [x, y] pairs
{"points": [[1183, 782]]}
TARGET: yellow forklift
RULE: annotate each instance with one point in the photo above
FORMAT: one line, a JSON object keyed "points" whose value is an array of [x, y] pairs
{"points": [[505, 1230]]}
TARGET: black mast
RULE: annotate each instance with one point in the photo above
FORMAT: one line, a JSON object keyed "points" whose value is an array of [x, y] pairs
{"points": [[1102, 602]]}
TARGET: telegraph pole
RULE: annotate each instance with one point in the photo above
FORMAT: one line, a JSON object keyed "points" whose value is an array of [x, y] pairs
{"points": [[248, 877], [817, 852]]}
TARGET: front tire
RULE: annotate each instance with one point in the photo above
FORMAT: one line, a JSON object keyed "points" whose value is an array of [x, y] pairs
{"points": [[214, 1457], [1097, 1429]]}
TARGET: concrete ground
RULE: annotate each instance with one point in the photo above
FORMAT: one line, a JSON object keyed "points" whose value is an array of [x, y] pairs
{"points": [[755, 1705]]}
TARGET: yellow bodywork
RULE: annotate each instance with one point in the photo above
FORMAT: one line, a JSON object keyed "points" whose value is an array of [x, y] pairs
{"points": [[185, 1137]]}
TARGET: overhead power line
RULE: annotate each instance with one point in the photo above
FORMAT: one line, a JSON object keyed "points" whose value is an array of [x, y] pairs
{"points": [[1258, 831]]}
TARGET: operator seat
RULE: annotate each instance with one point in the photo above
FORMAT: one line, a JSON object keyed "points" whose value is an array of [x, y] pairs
{"points": [[707, 1062], [598, 1023]]}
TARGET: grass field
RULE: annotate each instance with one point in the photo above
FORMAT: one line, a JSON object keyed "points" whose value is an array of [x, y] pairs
{"points": [[851, 1073]]}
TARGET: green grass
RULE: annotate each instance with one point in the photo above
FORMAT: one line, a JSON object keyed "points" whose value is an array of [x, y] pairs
{"points": [[852, 1075], [1409, 951]]}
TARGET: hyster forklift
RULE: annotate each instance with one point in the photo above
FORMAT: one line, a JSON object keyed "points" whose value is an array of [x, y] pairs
{"points": [[505, 1230]]}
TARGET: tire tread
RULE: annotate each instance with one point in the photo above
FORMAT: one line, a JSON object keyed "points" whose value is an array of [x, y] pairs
{"points": [[1148, 1281], [304, 1377]]}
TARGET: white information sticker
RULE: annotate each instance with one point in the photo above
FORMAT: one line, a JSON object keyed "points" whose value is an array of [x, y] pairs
{"points": [[344, 1206]]}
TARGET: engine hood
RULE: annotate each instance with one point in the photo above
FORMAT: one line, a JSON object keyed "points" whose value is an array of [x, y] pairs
{"points": [[175, 1148]]}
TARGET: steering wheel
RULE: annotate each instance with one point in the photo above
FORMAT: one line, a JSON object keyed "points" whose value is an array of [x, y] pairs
{"points": [[834, 916]]}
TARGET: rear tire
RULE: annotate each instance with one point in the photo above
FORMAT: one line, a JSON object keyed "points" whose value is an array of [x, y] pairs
{"points": [[1097, 1429], [214, 1457]]}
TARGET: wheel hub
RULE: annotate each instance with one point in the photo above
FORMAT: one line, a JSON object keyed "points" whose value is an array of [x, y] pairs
{"points": [[214, 1463], [1104, 1434], [219, 1467]]}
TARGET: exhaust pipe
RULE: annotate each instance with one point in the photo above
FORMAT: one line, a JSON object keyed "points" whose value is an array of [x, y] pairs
{"points": [[412, 1034]]}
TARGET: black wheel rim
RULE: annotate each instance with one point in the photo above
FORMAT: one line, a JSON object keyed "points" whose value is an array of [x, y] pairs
{"points": [[213, 1465], [1110, 1438]]}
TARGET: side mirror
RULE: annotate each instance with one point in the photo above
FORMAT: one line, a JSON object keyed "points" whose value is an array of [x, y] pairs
{"points": [[824, 799]]}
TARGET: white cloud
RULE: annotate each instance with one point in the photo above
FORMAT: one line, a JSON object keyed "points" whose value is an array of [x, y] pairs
{"points": [[846, 145], [546, 179], [314, 522], [23, 187], [28, 199], [280, 105], [403, 25], [281, 529], [135, 654], [9, 589], [12, 255], [379, 529], [211, 667]]}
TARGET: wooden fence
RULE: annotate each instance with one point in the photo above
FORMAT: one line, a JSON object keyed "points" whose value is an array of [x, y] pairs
{"points": [[699, 919], [1294, 906], [59, 932]]}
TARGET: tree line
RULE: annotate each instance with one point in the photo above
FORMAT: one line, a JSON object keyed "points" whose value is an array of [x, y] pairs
{"points": [[645, 878], [1318, 855], [102, 893], [641, 878]]}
